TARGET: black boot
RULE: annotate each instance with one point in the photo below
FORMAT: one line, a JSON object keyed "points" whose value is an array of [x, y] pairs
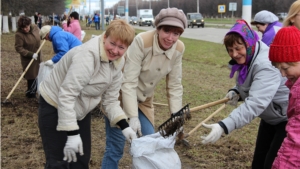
{"points": [[31, 88]]}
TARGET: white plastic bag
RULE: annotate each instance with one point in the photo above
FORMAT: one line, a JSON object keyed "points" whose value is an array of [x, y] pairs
{"points": [[154, 152], [82, 35], [44, 71]]}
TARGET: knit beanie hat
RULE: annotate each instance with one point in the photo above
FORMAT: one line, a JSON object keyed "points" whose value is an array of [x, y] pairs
{"points": [[286, 45]]}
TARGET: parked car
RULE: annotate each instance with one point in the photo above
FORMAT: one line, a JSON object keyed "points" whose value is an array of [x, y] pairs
{"points": [[281, 15], [195, 19], [133, 20]]}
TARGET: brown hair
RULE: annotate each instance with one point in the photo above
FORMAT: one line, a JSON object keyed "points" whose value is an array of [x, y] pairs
{"points": [[121, 30], [171, 29], [23, 22], [232, 38]]}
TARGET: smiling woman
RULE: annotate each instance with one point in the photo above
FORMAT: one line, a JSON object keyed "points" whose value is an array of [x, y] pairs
{"points": [[153, 56], [263, 91], [86, 75]]}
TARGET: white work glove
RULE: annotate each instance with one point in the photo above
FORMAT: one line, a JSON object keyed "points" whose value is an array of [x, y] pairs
{"points": [[49, 63], [214, 135], [34, 56], [64, 22], [129, 134], [234, 98], [135, 124], [73, 146]]}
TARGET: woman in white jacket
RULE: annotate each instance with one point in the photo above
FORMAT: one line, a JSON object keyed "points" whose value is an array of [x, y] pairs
{"points": [[86, 75]]}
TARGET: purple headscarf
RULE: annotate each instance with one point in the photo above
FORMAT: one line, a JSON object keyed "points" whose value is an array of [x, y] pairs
{"points": [[250, 37]]}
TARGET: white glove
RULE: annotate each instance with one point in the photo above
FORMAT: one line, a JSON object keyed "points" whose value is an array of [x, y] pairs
{"points": [[214, 135], [34, 56], [234, 98], [73, 146], [135, 124], [64, 22], [129, 134], [49, 63]]}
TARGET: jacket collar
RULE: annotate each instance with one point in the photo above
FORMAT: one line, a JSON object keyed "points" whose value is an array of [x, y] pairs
{"points": [[103, 56], [158, 51]]}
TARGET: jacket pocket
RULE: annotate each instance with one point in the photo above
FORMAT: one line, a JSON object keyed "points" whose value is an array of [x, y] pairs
{"points": [[274, 114]]}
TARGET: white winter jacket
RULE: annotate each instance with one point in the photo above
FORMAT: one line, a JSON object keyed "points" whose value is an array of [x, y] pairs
{"points": [[80, 80]]}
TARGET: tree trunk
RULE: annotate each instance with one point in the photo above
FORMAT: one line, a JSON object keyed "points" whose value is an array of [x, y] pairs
{"points": [[5, 24], [13, 24]]}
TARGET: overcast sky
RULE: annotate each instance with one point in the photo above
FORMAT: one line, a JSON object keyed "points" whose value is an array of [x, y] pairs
{"points": [[107, 3], [95, 5]]}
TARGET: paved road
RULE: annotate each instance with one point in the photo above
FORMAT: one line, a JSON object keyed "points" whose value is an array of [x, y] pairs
{"points": [[210, 34]]}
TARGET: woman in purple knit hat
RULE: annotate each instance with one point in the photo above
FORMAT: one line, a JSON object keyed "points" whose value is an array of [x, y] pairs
{"points": [[263, 90]]}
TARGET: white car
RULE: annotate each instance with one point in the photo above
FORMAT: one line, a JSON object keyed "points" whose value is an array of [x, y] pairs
{"points": [[281, 15]]}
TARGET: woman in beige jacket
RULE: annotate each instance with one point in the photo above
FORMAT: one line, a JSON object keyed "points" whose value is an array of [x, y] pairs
{"points": [[152, 56], [86, 75]]}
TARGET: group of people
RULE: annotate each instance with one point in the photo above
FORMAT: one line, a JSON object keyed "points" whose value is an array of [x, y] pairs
{"points": [[28, 39], [121, 70]]}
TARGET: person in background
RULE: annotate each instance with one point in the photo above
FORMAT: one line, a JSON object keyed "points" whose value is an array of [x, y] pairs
{"points": [[153, 55], [72, 25], [27, 42], [36, 18], [40, 20], [267, 23], [96, 20], [62, 42], [84, 77], [293, 16], [263, 90], [285, 55], [107, 20]]}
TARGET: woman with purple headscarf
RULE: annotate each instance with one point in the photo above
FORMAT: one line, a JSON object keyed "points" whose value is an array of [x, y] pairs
{"points": [[263, 91]]}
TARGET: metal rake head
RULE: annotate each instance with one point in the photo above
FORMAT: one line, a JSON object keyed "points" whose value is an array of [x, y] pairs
{"points": [[175, 122]]}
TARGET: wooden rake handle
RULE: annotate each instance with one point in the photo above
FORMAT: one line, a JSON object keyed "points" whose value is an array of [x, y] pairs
{"points": [[159, 104], [199, 107], [13, 89], [209, 104], [208, 118]]}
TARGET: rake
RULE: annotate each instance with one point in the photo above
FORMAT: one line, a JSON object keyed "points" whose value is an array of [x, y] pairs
{"points": [[176, 121], [13, 89], [182, 136]]}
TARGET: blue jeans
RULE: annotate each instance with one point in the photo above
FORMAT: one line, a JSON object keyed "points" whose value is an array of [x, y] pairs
{"points": [[115, 141]]}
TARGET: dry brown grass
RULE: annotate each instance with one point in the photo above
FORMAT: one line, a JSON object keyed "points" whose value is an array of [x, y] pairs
{"points": [[205, 79]]}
